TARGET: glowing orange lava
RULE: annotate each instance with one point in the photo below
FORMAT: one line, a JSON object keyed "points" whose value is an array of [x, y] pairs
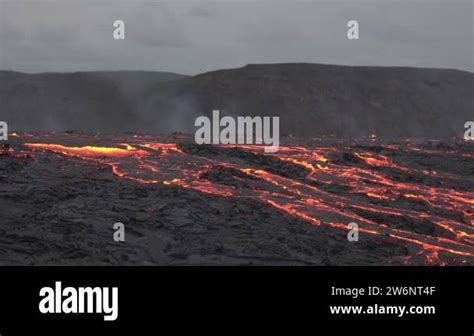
{"points": [[331, 193]]}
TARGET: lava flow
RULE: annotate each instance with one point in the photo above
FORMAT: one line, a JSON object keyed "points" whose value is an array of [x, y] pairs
{"points": [[414, 195]]}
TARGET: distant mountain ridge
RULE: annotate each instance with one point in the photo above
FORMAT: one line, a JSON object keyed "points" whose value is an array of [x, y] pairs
{"points": [[311, 99]]}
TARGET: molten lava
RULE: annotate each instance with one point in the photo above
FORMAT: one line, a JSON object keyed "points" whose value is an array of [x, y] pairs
{"points": [[322, 182]]}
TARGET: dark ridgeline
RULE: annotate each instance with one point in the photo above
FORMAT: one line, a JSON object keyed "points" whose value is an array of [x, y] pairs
{"points": [[311, 99]]}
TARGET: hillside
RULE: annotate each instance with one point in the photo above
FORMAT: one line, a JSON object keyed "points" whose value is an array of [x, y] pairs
{"points": [[91, 101], [311, 99]]}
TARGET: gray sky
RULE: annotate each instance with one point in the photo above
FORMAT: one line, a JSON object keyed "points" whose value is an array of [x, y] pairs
{"points": [[196, 36]]}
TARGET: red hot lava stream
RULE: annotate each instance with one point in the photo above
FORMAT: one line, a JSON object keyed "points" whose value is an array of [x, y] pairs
{"points": [[340, 184]]}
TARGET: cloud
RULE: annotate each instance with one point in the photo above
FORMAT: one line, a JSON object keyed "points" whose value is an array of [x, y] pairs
{"points": [[200, 12], [192, 37], [158, 27]]}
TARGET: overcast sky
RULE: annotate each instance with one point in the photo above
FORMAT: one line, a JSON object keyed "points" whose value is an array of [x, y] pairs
{"points": [[195, 36]]}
